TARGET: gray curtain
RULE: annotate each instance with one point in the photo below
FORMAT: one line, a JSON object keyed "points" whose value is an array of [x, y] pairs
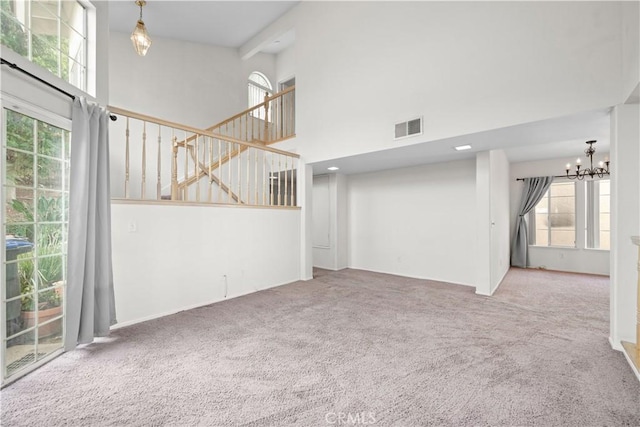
{"points": [[534, 189], [90, 299]]}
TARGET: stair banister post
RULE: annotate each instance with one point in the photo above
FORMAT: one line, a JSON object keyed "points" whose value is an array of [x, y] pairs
{"points": [[266, 117], [174, 170]]}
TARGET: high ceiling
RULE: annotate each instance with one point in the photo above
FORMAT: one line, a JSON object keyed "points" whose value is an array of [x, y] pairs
{"points": [[233, 23], [221, 23]]}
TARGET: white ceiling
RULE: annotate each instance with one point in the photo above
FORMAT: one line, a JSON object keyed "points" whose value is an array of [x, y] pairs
{"points": [[233, 23], [221, 23], [559, 138]]}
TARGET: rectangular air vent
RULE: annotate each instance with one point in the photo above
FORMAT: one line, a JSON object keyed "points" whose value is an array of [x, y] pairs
{"points": [[409, 128]]}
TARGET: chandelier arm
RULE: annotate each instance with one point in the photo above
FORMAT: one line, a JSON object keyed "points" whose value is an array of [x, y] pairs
{"points": [[590, 170], [579, 174]]}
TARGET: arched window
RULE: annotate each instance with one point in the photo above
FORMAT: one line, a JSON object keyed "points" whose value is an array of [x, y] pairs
{"points": [[258, 87]]}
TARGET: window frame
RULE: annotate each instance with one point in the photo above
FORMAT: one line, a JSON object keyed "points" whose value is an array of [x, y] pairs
{"points": [[42, 114], [253, 86], [531, 219], [592, 211], [88, 76]]}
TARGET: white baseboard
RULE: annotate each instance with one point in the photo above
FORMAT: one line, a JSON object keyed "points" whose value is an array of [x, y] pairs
{"points": [[633, 366], [493, 291], [500, 282], [615, 345], [448, 282], [189, 307]]}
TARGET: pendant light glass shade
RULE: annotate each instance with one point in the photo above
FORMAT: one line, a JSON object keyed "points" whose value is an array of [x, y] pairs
{"points": [[140, 38]]}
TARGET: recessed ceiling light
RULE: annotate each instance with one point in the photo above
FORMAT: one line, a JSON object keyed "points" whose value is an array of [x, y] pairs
{"points": [[462, 147], [333, 168]]}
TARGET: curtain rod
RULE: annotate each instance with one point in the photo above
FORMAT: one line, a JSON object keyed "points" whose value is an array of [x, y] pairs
{"points": [[33, 76], [555, 176]]}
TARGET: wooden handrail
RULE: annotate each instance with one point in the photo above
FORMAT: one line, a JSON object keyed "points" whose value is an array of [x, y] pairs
{"points": [[237, 116], [248, 113], [282, 92], [249, 110], [223, 144], [202, 132]]}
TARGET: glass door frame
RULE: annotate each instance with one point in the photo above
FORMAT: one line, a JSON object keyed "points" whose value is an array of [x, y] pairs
{"points": [[8, 102]]}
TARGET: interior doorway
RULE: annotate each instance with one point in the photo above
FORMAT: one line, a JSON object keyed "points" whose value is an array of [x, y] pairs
{"points": [[287, 84]]}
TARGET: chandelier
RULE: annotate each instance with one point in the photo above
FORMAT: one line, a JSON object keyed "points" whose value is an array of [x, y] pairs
{"points": [[140, 38], [600, 171]]}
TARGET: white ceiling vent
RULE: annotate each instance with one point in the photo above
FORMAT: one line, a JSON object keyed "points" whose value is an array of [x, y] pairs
{"points": [[409, 128]]}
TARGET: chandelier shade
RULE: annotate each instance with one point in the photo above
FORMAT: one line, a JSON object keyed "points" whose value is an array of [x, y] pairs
{"points": [[140, 38]]}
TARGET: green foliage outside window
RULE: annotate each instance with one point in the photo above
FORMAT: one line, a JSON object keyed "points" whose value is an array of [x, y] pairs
{"points": [[44, 47], [49, 247], [35, 147]]}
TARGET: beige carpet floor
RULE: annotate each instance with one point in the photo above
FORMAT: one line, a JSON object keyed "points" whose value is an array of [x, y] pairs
{"points": [[352, 347]]}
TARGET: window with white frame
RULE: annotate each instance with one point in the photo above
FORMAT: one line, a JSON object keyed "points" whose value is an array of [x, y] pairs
{"points": [[553, 221], [35, 178], [258, 86], [598, 214], [50, 33]]}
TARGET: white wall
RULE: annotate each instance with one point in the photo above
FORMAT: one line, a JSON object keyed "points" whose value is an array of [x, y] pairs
{"points": [[500, 215], [305, 200], [492, 201], [330, 221], [321, 227], [190, 83], [177, 256], [579, 259], [341, 218], [417, 222], [630, 47], [286, 64], [625, 220], [102, 52], [465, 66]]}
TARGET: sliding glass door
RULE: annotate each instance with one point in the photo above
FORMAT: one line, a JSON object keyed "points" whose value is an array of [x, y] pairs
{"points": [[35, 171]]}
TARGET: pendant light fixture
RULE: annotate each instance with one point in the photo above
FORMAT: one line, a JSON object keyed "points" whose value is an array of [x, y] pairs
{"points": [[140, 38], [591, 171]]}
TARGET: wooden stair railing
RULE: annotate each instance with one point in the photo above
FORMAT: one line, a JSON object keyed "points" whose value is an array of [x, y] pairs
{"points": [[260, 173], [207, 169], [204, 170], [267, 123], [250, 125]]}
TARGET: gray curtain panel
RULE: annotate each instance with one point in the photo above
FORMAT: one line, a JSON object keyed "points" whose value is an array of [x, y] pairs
{"points": [[90, 298], [534, 189]]}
